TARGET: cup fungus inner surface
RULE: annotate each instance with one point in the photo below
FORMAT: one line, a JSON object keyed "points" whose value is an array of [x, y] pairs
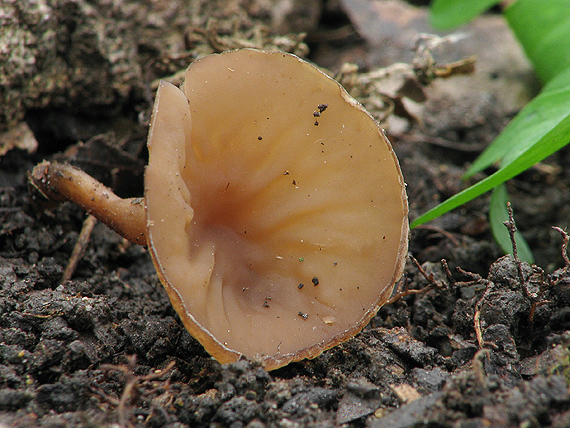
{"points": [[276, 209]]}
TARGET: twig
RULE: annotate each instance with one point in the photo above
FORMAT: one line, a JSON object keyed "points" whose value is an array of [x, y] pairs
{"points": [[512, 228], [79, 249], [441, 142], [447, 272], [432, 284], [533, 299], [429, 277], [445, 233]]}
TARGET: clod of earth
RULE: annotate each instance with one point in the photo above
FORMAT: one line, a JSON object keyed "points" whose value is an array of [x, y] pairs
{"points": [[246, 199]]}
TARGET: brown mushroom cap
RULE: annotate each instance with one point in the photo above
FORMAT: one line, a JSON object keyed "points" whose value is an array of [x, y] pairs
{"points": [[253, 188]]}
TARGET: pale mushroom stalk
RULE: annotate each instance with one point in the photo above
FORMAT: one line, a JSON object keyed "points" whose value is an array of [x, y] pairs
{"points": [[59, 182]]}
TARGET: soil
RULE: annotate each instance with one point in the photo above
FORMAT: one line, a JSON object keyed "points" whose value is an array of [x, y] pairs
{"points": [[106, 348]]}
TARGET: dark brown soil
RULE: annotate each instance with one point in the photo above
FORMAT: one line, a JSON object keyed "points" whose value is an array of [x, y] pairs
{"points": [[89, 352]]}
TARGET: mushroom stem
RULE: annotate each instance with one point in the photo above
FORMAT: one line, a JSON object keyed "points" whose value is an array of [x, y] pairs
{"points": [[61, 182]]}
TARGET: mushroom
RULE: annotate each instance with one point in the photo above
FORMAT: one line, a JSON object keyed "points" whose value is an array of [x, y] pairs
{"points": [[275, 210]]}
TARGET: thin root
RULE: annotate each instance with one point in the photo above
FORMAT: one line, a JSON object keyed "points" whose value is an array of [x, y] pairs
{"points": [[132, 391]]}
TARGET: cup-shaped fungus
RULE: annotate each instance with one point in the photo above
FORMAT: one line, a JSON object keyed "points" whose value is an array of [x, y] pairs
{"points": [[276, 212]]}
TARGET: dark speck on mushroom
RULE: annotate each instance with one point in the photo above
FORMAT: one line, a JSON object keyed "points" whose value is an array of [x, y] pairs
{"points": [[315, 280], [260, 138], [303, 315], [301, 285], [322, 107]]}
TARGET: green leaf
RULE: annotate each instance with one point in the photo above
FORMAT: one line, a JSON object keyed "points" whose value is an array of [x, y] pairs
{"points": [[446, 14], [553, 141], [543, 29], [498, 215], [533, 122]]}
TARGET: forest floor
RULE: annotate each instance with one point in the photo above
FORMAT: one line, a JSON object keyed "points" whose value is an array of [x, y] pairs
{"points": [[106, 348]]}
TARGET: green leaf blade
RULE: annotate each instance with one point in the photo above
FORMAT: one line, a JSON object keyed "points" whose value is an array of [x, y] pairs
{"points": [[543, 29], [553, 141], [533, 122], [446, 14]]}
